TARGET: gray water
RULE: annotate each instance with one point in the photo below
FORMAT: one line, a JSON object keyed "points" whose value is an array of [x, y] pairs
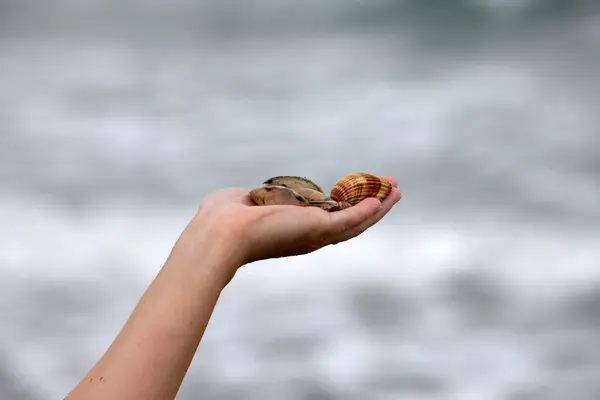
{"points": [[483, 283]]}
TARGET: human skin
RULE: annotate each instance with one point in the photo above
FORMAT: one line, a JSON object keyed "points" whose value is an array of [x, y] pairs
{"points": [[152, 353]]}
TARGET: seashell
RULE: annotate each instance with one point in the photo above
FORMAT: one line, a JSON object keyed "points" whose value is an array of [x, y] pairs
{"points": [[295, 190], [312, 195], [277, 195], [293, 182], [355, 187]]}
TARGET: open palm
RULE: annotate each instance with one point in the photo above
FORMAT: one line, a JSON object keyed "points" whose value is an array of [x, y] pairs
{"points": [[262, 232]]}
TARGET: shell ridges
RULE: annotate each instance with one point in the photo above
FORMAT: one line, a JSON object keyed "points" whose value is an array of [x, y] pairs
{"points": [[355, 187]]}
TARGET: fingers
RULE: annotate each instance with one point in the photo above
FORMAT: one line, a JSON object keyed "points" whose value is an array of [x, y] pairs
{"points": [[344, 220], [370, 220], [390, 180], [386, 206], [355, 220]]}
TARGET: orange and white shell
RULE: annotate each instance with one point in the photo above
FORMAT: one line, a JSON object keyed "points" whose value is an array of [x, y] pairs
{"points": [[355, 187]]}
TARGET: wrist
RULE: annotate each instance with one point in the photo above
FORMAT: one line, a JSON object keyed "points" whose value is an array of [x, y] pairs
{"points": [[205, 248]]}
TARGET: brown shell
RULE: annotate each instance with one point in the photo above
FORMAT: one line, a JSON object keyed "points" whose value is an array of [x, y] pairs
{"points": [[327, 205], [277, 195], [355, 187], [293, 182], [311, 195]]}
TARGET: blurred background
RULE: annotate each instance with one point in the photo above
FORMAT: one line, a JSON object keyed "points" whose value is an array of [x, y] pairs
{"points": [[117, 117]]}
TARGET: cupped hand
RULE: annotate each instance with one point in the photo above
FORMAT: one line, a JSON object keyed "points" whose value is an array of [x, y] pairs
{"points": [[256, 233]]}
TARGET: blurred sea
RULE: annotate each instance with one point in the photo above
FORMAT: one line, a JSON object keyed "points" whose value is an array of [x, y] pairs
{"points": [[483, 282]]}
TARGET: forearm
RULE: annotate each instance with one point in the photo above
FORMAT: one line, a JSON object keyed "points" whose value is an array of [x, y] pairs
{"points": [[151, 354]]}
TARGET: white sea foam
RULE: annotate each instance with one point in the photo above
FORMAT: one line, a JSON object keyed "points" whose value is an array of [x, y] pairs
{"points": [[48, 243]]}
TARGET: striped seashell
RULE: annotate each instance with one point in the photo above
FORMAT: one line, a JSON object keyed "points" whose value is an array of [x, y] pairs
{"points": [[355, 187]]}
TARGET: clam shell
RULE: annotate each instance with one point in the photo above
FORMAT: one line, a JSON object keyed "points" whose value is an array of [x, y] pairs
{"points": [[312, 195], [355, 187], [329, 205], [293, 182], [277, 195]]}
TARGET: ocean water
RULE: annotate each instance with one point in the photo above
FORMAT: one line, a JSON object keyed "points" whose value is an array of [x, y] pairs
{"points": [[482, 283]]}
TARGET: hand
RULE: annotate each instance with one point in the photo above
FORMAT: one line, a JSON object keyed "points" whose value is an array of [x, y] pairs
{"points": [[263, 232], [151, 354]]}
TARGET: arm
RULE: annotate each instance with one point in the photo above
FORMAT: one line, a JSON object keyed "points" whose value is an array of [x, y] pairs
{"points": [[150, 356]]}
